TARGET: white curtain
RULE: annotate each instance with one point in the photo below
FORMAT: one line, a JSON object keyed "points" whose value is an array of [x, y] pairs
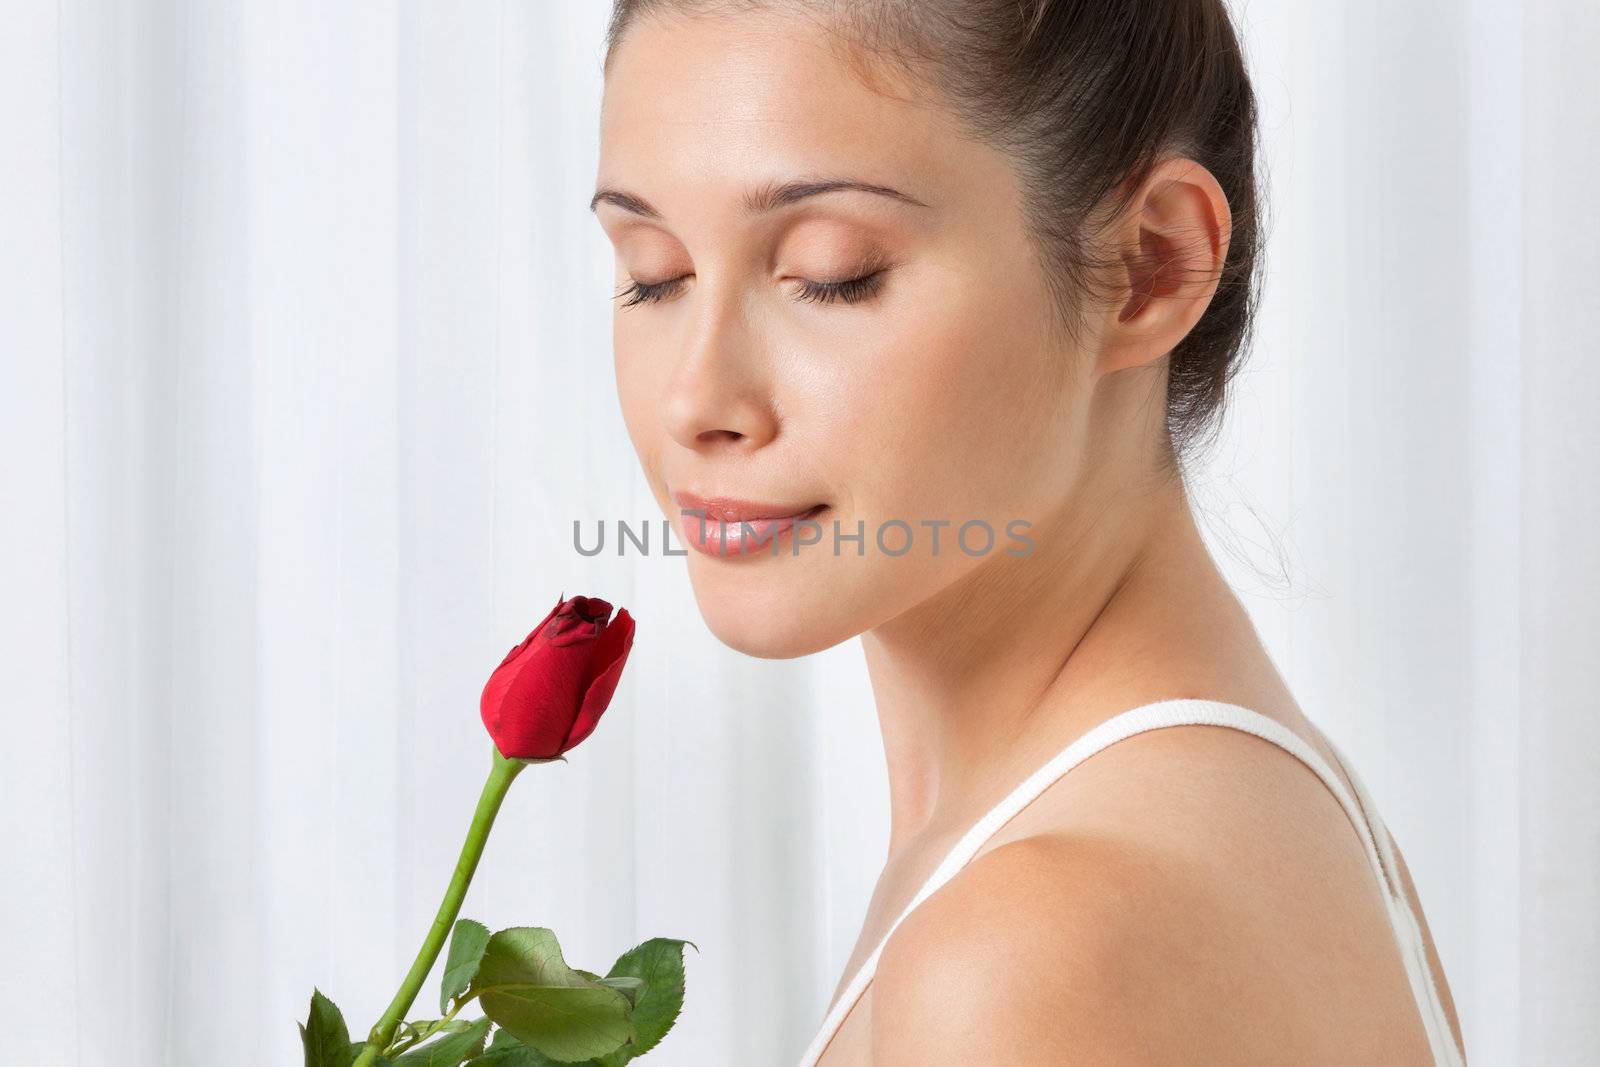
{"points": [[306, 376]]}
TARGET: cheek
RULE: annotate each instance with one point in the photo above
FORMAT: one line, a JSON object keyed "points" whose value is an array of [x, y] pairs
{"points": [[955, 410], [638, 394]]}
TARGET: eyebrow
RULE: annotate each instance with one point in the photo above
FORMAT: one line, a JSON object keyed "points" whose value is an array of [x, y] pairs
{"points": [[768, 197]]}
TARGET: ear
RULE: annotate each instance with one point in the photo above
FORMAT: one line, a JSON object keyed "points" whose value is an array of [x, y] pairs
{"points": [[1171, 244]]}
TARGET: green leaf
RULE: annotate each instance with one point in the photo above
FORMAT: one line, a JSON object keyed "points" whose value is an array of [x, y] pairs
{"points": [[324, 1035], [628, 987], [449, 1050], [507, 1051], [467, 942], [658, 963], [418, 1027], [615, 1058], [518, 1055], [527, 988], [377, 1061], [419, 1030], [503, 1039], [521, 1056], [412, 1032]]}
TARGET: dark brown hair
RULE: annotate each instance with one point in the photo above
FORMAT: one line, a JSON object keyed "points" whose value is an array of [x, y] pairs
{"points": [[1086, 96]]}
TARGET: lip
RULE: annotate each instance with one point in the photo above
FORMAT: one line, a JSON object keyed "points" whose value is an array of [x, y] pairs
{"points": [[727, 527]]}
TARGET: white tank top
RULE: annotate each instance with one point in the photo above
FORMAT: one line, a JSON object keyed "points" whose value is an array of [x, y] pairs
{"points": [[1374, 838]]}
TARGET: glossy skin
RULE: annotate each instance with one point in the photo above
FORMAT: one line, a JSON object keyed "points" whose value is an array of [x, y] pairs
{"points": [[945, 392]]}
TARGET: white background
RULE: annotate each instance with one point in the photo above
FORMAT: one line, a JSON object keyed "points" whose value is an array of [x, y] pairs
{"points": [[306, 373]]}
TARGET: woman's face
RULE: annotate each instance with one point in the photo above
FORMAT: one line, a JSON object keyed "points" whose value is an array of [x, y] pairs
{"points": [[930, 391]]}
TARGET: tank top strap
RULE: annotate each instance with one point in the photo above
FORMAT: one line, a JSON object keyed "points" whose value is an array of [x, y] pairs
{"points": [[1408, 931], [1176, 712]]}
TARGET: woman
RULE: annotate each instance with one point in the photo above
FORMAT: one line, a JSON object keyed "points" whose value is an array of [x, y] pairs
{"points": [[896, 270]]}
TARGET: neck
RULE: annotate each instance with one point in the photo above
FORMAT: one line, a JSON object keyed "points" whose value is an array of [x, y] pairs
{"points": [[976, 686]]}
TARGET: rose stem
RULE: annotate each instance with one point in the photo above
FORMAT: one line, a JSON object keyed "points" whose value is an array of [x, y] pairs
{"points": [[501, 775]]}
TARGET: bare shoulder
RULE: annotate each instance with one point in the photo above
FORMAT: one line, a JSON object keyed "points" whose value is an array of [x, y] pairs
{"points": [[1189, 897], [1029, 957]]}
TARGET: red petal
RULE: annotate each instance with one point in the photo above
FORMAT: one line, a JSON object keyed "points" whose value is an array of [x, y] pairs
{"points": [[529, 701], [531, 634], [605, 670], [580, 619], [591, 608]]}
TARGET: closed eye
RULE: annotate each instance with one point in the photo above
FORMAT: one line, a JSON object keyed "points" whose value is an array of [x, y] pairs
{"points": [[848, 291], [647, 293]]}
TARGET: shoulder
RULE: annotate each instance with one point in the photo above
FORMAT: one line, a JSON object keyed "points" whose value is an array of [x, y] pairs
{"points": [[1199, 883], [1039, 949]]}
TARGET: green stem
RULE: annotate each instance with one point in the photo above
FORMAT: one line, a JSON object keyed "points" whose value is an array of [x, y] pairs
{"points": [[501, 775]]}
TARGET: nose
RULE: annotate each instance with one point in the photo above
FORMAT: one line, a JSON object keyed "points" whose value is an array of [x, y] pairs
{"points": [[720, 394]]}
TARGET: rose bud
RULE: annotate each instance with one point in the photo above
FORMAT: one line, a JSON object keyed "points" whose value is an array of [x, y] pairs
{"points": [[549, 692]]}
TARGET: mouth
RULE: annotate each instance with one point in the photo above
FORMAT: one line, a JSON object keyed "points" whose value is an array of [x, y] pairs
{"points": [[727, 528]]}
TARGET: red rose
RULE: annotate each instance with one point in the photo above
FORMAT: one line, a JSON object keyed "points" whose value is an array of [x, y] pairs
{"points": [[550, 691]]}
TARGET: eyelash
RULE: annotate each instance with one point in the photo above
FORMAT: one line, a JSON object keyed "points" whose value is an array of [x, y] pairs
{"points": [[850, 291]]}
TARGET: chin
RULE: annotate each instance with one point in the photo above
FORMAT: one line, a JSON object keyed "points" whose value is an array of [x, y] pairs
{"points": [[765, 641], [767, 618]]}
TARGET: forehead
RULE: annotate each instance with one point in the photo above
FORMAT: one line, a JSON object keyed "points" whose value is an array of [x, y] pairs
{"points": [[738, 97]]}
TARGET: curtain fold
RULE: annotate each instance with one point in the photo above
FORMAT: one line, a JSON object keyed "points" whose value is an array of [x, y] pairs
{"points": [[305, 377]]}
